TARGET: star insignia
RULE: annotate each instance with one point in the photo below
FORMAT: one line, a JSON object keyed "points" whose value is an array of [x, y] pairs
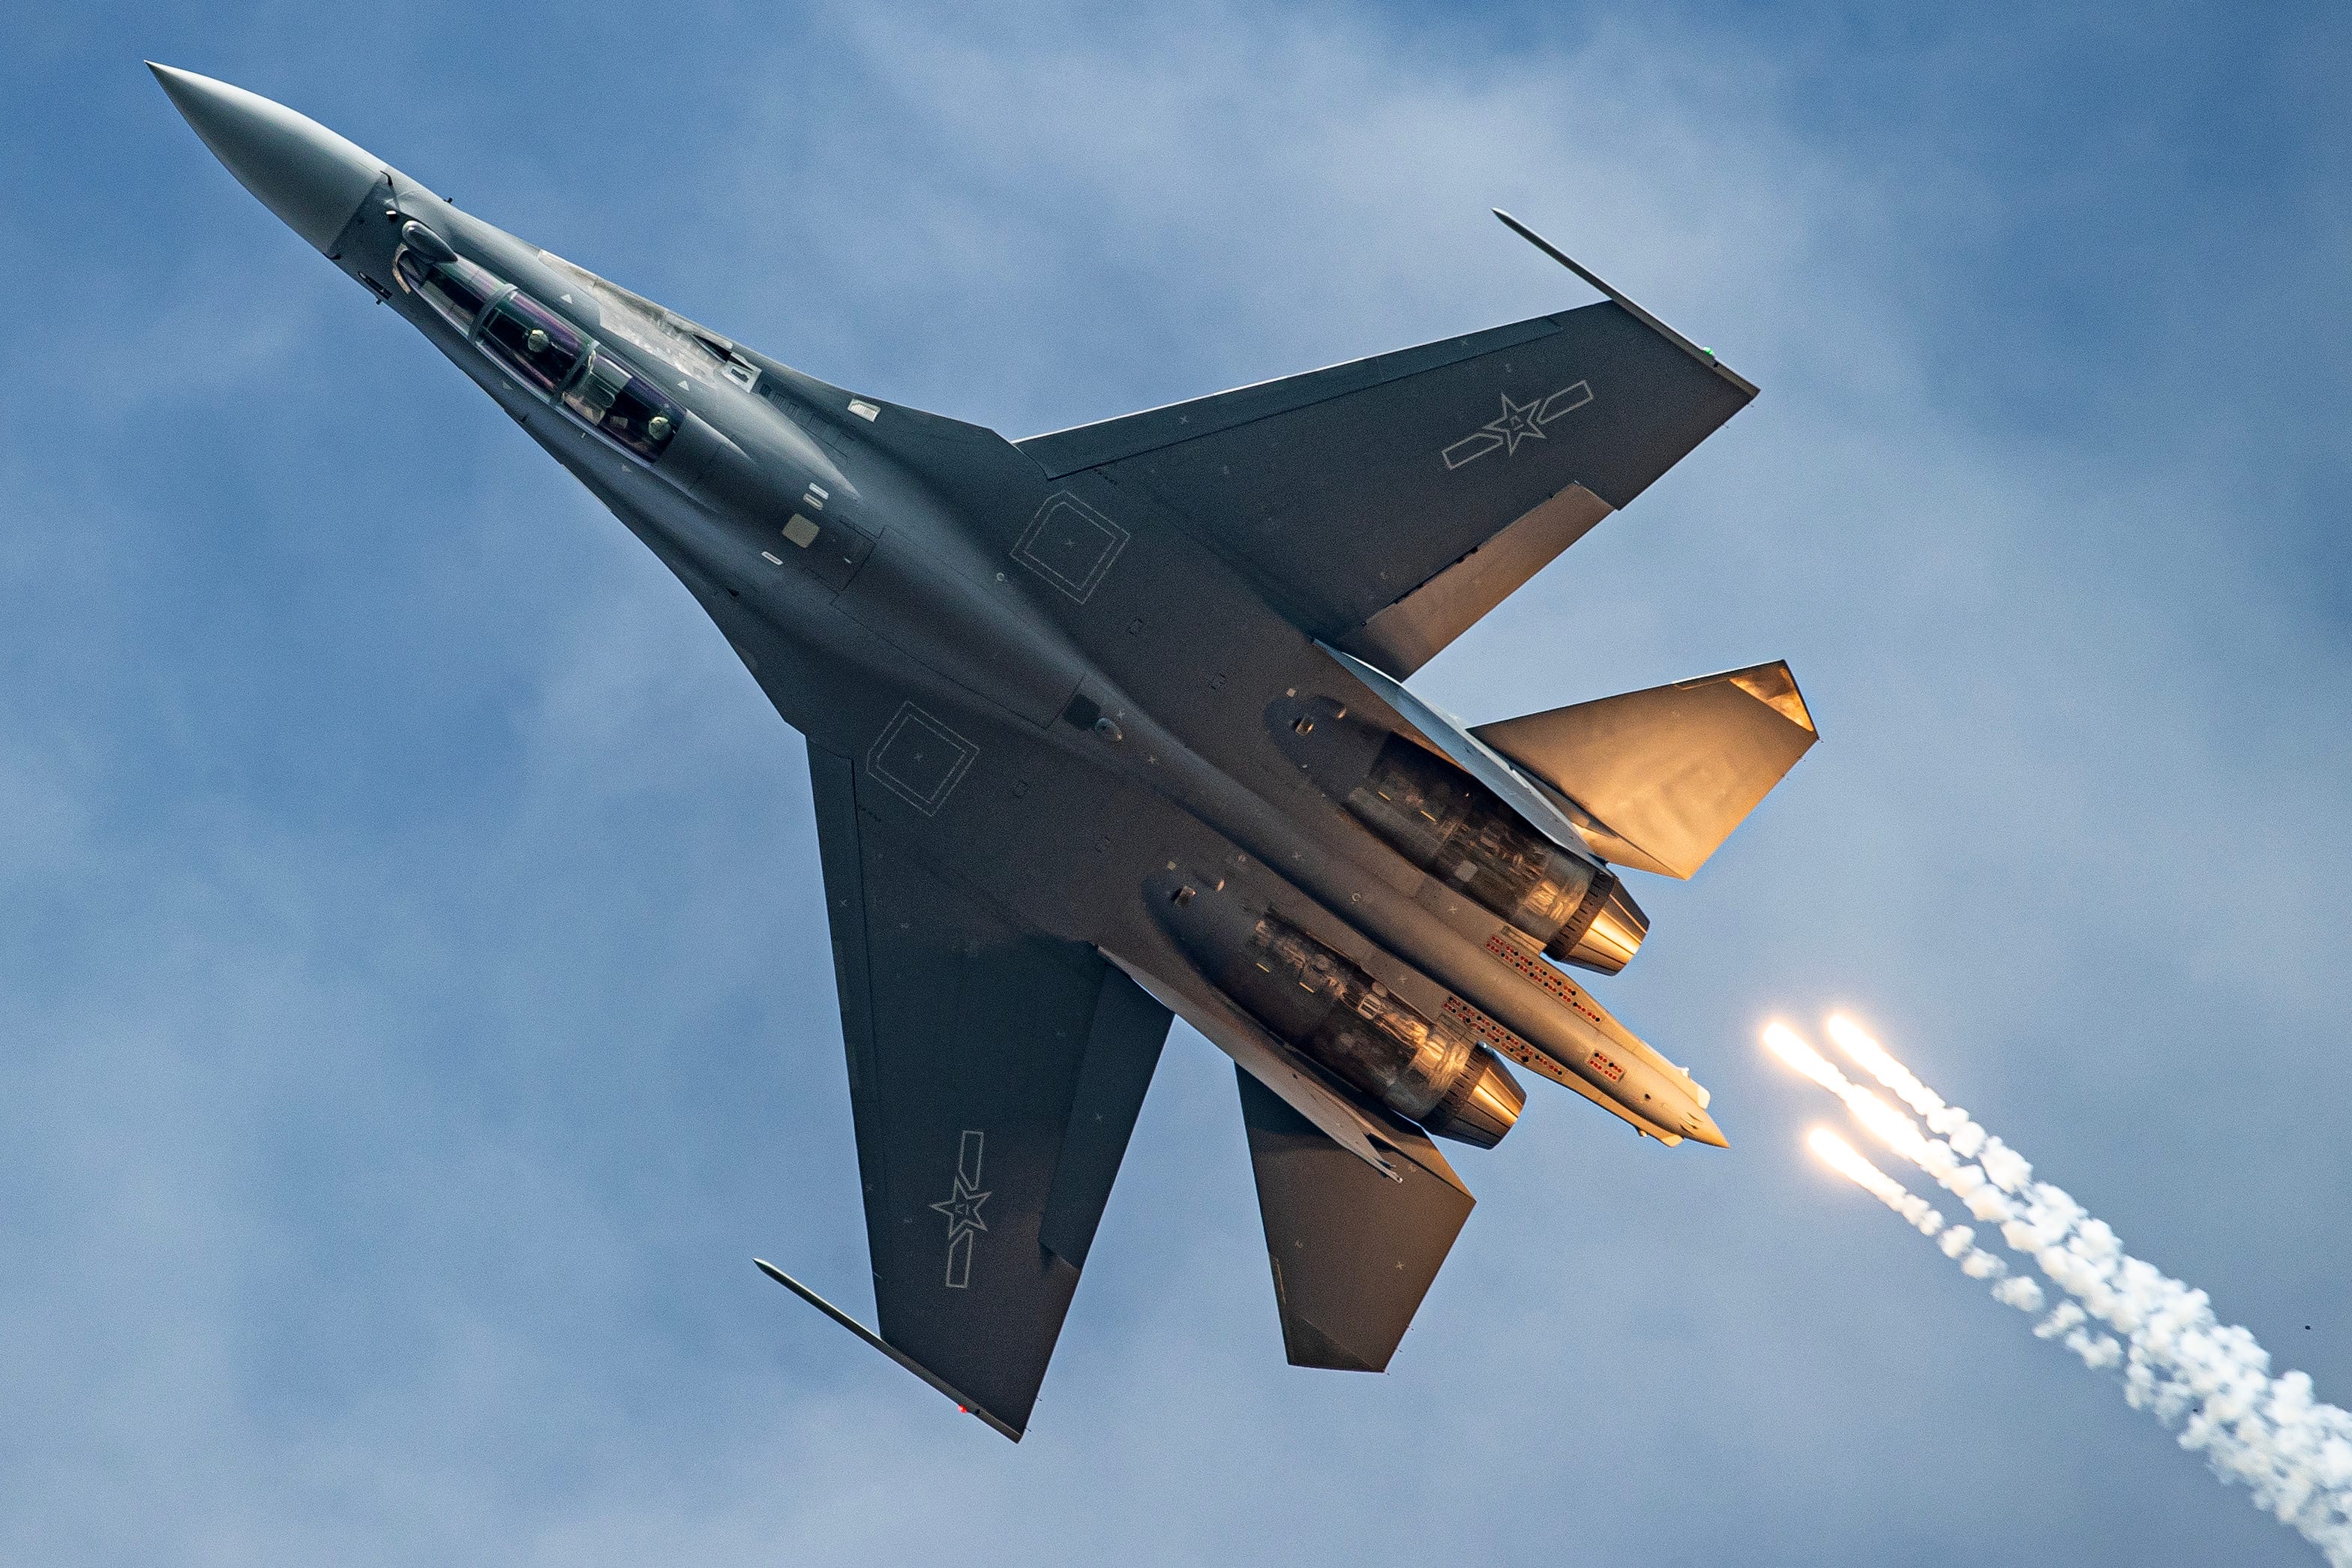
{"points": [[962, 1209], [1517, 423]]}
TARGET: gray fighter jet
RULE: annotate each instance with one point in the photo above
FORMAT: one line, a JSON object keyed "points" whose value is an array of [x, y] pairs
{"points": [[1108, 727]]}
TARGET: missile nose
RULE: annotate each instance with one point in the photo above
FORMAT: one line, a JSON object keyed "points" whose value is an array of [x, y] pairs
{"points": [[312, 178]]}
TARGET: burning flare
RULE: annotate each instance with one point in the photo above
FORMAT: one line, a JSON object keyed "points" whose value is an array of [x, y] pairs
{"points": [[1893, 1128], [2293, 1453], [1844, 1158], [1958, 1243]]}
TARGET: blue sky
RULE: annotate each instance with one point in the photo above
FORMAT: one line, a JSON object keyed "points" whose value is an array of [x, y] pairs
{"points": [[415, 1004]]}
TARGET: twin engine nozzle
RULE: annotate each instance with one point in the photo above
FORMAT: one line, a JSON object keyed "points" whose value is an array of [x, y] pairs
{"points": [[1314, 998], [1456, 830]]}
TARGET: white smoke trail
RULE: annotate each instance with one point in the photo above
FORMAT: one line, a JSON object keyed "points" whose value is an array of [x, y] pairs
{"points": [[1958, 1243], [2292, 1452]]}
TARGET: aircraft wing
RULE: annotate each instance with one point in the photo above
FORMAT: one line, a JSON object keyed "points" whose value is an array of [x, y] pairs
{"points": [[1385, 504], [995, 1074]]}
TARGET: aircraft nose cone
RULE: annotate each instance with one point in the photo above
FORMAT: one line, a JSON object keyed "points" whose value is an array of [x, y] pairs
{"points": [[1698, 1125], [308, 175]]}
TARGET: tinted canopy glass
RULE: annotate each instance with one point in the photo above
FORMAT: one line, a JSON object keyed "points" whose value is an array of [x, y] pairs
{"points": [[457, 289], [624, 405], [534, 341]]}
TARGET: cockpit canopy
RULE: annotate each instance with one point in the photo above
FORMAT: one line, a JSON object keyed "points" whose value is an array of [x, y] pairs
{"points": [[532, 341], [623, 404], [543, 352], [456, 289]]}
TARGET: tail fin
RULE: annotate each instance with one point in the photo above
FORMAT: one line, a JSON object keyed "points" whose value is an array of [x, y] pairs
{"points": [[1665, 774]]}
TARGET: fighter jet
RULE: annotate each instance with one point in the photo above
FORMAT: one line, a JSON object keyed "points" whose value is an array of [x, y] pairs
{"points": [[1110, 727]]}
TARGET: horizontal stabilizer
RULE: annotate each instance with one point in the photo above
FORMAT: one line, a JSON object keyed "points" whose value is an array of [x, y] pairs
{"points": [[1352, 1255], [1665, 774]]}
